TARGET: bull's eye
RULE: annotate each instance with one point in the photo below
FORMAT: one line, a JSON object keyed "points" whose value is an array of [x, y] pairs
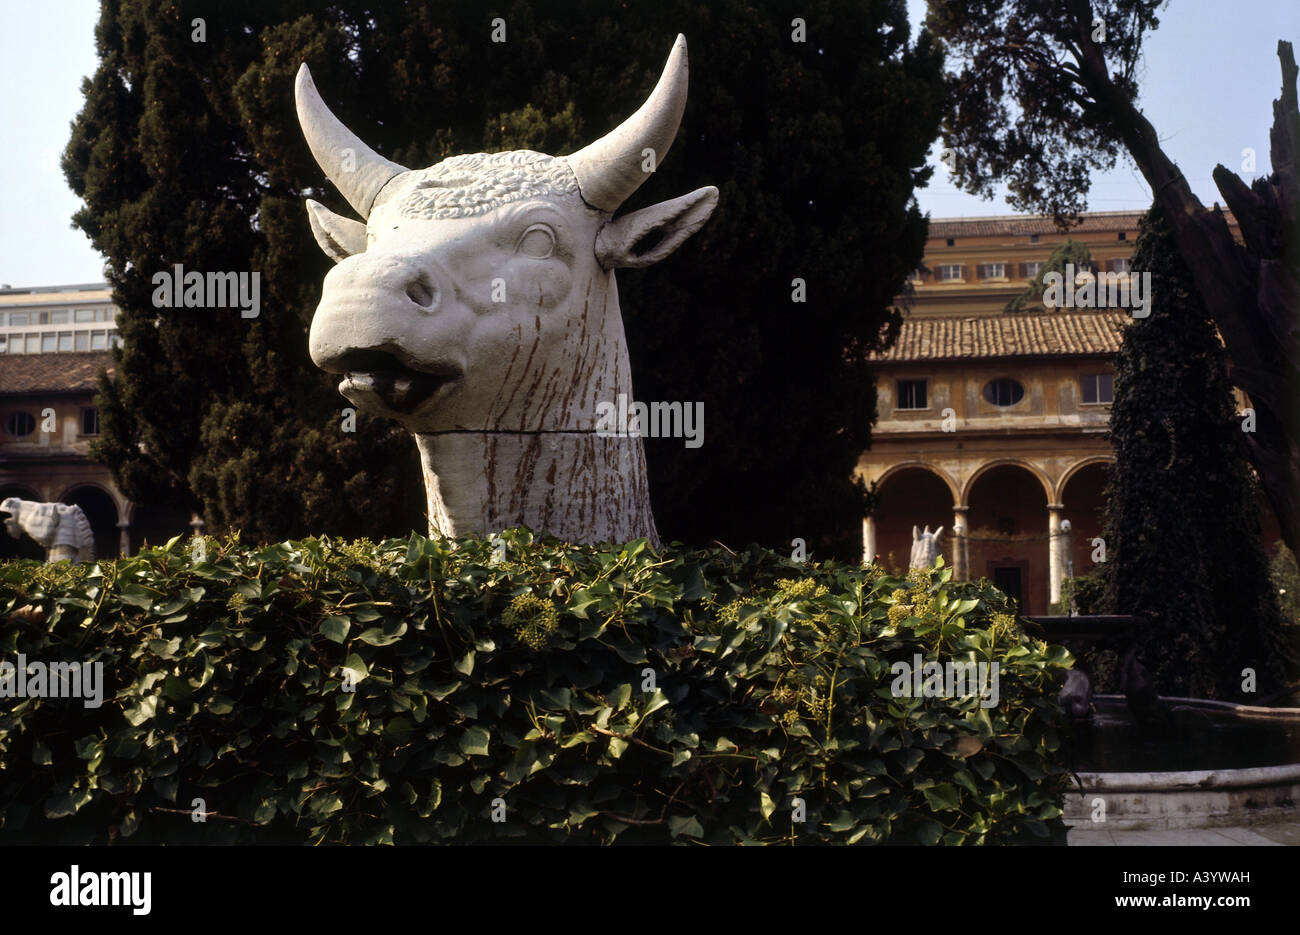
{"points": [[537, 242]]}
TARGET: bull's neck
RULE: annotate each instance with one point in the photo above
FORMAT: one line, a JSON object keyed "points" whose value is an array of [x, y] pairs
{"points": [[577, 486], [558, 477]]}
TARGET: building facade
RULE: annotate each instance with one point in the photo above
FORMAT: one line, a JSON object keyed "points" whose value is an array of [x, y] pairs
{"points": [[55, 343], [993, 424]]}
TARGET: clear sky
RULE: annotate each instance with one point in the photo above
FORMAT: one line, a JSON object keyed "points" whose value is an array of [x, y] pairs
{"points": [[1211, 77]]}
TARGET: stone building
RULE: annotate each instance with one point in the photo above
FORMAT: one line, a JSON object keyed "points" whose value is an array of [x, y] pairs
{"points": [[993, 425], [53, 344]]}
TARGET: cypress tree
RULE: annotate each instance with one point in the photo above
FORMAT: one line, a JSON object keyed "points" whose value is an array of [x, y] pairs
{"points": [[189, 152], [1182, 524]]}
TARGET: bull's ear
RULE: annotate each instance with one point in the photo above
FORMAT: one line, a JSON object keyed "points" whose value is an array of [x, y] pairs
{"points": [[645, 237], [338, 236]]}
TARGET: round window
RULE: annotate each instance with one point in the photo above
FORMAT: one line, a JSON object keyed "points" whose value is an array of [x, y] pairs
{"points": [[1004, 392], [20, 424]]}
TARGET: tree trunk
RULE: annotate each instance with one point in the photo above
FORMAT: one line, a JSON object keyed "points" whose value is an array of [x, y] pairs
{"points": [[1251, 292]]}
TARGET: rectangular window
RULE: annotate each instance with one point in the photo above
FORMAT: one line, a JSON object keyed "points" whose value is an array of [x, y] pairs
{"points": [[915, 276], [83, 340], [911, 395], [18, 318], [90, 421], [49, 343], [33, 342], [65, 341], [1030, 270], [1098, 388], [42, 318], [993, 270], [97, 341], [85, 314], [59, 318], [1119, 266], [948, 272], [114, 339]]}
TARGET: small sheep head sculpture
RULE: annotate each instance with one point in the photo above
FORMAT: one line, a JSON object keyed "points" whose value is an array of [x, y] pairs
{"points": [[477, 306]]}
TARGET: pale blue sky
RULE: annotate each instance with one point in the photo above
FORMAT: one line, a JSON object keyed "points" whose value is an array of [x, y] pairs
{"points": [[1211, 76]]}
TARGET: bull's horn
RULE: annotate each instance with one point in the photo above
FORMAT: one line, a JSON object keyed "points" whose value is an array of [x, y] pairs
{"points": [[359, 175], [613, 167]]}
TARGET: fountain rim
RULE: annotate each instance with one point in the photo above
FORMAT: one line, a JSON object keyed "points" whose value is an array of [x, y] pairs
{"points": [[1199, 779]]}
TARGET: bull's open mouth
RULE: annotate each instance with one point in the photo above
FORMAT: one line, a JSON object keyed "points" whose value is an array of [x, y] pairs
{"points": [[398, 387]]}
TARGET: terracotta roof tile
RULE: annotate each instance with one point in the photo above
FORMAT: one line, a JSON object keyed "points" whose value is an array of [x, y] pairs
{"points": [[1023, 335], [52, 373]]}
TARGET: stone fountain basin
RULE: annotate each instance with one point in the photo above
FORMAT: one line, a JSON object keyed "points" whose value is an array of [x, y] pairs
{"points": [[1251, 773]]}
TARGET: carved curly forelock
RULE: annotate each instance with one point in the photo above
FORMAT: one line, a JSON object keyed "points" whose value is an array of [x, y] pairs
{"points": [[474, 184]]}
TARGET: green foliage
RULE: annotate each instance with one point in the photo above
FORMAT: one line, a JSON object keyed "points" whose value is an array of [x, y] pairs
{"points": [[1182, 525], [1085, 594], [1032, 298], [1285, 576], [1037, 93], [523, 684], [189, 153]]}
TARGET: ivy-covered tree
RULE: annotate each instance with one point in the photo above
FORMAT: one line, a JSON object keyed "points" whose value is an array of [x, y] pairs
{"points": [[1045, 92], [1071, 252], [813, 118], [1182, 525]]}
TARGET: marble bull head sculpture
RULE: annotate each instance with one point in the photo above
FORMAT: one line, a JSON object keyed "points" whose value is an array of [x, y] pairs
{"points": [[477, 306]]}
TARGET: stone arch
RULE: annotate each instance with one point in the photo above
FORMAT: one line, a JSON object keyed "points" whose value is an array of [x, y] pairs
{"points": [[102, 509], [1082, 496], [909, 494], [987, 466], [122, 505], [1007, 537], [924, 466], [1075, 468]]}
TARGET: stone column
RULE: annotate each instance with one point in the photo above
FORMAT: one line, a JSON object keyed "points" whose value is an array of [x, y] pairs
{"points": [[124, 538], [868, 539], [960, 556], [1055, 553]]}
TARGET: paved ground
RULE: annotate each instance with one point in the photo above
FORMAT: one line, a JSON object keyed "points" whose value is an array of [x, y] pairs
{"points": [[1270, 834]]}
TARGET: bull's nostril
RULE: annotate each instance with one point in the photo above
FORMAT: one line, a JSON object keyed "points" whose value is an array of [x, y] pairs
{"points": [[421, 291]]}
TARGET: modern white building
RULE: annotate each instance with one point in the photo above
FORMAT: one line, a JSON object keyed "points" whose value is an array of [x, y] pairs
{"points": [[57, 319]]}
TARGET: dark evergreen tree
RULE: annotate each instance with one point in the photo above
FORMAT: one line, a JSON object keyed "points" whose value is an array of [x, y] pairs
{"points": [[189, 152], [1182, 525]]}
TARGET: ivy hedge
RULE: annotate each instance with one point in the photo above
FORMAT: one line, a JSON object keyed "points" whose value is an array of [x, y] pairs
{"points": [[523, 690]]}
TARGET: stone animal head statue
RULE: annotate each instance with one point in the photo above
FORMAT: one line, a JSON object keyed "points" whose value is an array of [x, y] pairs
{"points": [[61, 529], [477, 306], [925, 547]]}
